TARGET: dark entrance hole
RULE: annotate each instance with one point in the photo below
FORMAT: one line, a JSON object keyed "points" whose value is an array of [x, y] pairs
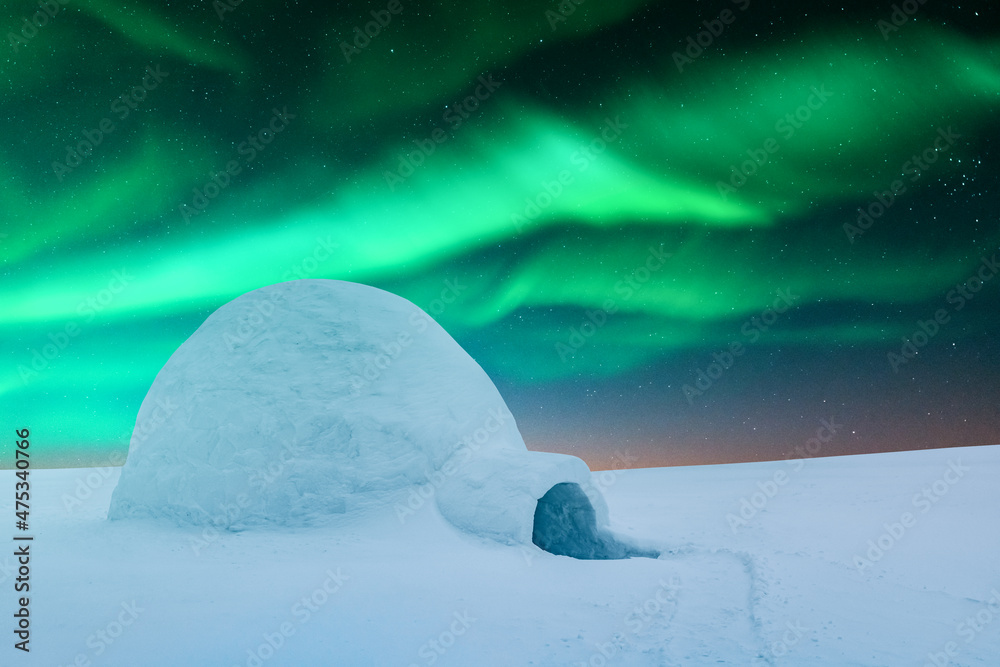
{"points": [[566, 525]]}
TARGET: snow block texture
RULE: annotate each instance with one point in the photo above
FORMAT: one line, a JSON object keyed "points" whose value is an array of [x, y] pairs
{"points": [[310, 398]]}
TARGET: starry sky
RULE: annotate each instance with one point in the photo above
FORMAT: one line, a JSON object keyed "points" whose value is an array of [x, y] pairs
{"points": [[672, 235]]}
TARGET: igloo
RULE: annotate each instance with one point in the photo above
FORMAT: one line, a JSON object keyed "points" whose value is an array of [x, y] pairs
{"points": [[313, 398]]}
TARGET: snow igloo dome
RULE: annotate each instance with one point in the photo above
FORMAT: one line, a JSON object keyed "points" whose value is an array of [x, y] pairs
{"points": [[312, 398]]}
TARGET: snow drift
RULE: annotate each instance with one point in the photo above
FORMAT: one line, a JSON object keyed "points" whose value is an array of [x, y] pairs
{"points": [[311, 398]]}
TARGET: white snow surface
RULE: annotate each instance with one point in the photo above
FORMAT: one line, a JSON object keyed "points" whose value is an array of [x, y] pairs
{"points": [[784, 589], [310, 398]]}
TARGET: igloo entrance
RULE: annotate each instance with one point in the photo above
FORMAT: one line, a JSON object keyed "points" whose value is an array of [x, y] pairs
{"points": [[566, 525]]}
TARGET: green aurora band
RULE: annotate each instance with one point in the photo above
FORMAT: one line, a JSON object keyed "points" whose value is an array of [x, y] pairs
{"points": [[316, 202]]}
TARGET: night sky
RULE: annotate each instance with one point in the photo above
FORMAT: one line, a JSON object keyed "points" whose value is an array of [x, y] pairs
{"points": [[671, 235]]}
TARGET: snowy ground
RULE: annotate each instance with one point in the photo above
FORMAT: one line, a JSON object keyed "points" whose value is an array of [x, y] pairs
{"points": [[787, 588]]}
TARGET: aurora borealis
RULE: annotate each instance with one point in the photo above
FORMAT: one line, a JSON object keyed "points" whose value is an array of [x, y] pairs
{"points": [[669, 238]]}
